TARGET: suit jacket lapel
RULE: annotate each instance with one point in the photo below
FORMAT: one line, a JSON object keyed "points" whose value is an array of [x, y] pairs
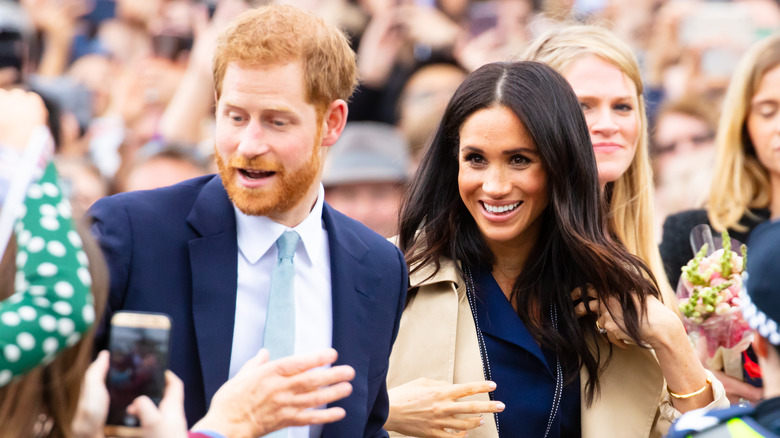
{"points": [[213, 259], [351, 290]]}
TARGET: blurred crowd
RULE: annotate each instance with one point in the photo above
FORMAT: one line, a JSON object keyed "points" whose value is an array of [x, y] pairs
{"points": [[128, 87], [128, 83]]}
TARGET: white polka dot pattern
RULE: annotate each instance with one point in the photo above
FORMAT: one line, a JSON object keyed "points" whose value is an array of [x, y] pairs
{"points": [[64, 209], [50, 223], [73, 339], [63, 308], [35, 192], [48, 210], [27, 313], [74, 238], [57, 249], [36, 244], [26, 341], [53, 306], [88, 313], [65, 327], [64, 289], [21, 259], [24, 238], [10, 319], [84, 276], [50, 189], [37, 290], [50, 345], [12, 353], [47, 269], [48, 323]]}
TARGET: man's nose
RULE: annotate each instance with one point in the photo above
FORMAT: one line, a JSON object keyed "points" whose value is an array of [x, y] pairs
{"points": [[253, 140]]}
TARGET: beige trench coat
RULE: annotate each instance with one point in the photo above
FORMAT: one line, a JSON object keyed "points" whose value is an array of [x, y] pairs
{"points": [[437, 339]]}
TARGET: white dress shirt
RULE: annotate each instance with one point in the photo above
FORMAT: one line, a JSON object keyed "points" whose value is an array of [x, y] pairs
{"points": [[257, 256]]}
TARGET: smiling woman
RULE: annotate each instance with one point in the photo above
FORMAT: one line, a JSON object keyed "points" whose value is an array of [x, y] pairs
{"points": [[604, 73], [746, 189], [501, 178], [496, 243]]}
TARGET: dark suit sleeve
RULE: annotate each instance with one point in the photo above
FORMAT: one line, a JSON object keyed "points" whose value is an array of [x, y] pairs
{"points": [[378, 413], [112, 228]]}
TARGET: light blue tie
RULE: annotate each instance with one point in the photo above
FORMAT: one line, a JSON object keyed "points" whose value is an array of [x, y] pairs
{"points": [[279, 336]]}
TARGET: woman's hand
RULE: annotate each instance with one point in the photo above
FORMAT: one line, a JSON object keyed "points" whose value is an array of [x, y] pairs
{"points": [[737, 389], [92, 409], [661, 330], [431, 408], [655, 327], [20, 113], [167, 420]]}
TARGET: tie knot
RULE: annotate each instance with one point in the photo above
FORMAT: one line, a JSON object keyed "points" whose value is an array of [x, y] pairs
{"points": [[287, 243]]}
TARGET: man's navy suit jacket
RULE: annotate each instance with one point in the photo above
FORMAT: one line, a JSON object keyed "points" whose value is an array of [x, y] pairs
{"points": [[174, 250]]}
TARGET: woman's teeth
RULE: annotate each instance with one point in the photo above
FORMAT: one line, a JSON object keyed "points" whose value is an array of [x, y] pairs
{"points": [[501, 208]]}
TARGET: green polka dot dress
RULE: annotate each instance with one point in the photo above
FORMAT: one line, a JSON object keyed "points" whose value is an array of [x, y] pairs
{"points": [[52, 306]]}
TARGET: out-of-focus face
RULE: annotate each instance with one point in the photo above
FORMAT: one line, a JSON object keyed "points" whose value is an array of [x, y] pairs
{"points": [[680, 137], [375, 205], [161, 172], [423, 102], [268, 142], [610, 103], [763, 121], [501, 178]]}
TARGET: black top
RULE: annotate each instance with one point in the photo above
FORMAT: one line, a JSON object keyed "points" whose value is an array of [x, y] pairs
{"points": [[676, 247]]}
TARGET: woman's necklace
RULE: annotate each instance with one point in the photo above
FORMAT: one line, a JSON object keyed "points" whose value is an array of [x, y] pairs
{"points": [[470, 294]]}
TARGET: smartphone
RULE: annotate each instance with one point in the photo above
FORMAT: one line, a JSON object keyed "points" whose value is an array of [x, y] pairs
{"points": [[138, 344], [707, 24], [483, 16], [709, 19]]}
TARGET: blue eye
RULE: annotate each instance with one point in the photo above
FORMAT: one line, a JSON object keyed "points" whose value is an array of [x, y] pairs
{"points": [[623, 107]]}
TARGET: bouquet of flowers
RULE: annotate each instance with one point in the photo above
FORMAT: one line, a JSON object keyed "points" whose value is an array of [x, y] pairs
{"points": [[709, 293]]}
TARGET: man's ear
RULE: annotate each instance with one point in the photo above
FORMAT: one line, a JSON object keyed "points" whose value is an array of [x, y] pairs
{"points": [[334, 120]]}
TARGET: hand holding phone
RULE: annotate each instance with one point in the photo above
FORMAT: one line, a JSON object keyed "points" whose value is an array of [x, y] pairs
{"points": [[138, 345]]}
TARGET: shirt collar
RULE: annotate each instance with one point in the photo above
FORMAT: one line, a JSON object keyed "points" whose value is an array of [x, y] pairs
{"points": [[257, 234]]}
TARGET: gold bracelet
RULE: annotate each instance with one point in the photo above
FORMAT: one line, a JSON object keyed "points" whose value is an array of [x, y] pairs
{"points": [[692, 394]]}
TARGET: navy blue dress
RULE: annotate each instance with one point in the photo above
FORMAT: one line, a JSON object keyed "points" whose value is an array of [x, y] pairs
{"points": [[525, 374]]}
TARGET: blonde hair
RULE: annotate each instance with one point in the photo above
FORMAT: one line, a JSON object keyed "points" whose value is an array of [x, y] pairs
{"points": [[741, 181], [43, 402], [280, 34], [631, 203]]}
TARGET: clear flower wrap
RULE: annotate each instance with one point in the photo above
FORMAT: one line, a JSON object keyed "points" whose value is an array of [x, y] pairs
{"points": [[709, 293]]}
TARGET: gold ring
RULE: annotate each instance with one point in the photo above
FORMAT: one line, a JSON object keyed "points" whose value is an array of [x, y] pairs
{"points": [[600, 329]]}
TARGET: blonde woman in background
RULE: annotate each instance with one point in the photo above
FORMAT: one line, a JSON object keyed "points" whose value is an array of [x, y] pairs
{"points": [[604, 73], [745, 188]]}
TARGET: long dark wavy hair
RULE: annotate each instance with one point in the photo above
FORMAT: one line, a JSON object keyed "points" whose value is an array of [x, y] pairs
{"points": [[575, 248]]}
